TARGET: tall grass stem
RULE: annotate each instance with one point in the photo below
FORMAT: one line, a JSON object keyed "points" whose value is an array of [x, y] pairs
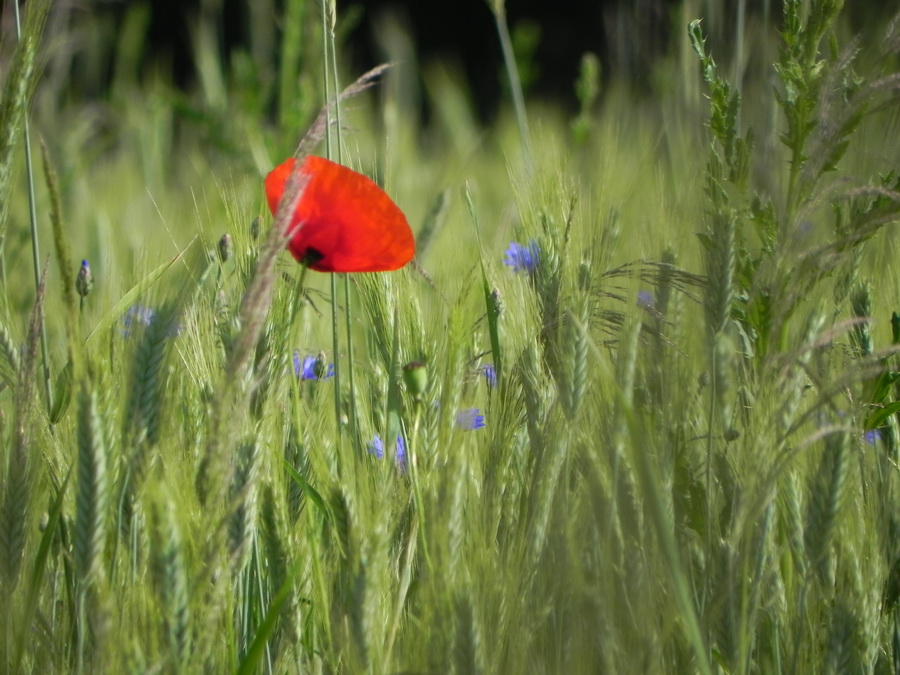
{"points": [[328, 54], [738, 66], [35, 252], [348, 300], [515, 82]]}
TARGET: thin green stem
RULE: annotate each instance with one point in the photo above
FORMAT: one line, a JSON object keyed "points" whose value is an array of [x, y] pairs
{"points": [[737, 76], [36, 256], [794, 175], [327, 82], [3, 280], [339, 155], [335, 346], [412, 468], [710, 427], [328, 36], [348, 320], [348, 308], [515, 83]]}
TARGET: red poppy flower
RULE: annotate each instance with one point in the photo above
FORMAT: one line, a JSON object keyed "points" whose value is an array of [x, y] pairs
{"points": [[344, 222]]}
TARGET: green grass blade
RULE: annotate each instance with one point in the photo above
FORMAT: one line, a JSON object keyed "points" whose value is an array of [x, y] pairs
{"points": [[39, 570], [257, 649], [132, 296]]}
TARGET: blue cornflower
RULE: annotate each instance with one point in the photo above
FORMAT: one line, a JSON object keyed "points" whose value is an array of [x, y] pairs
{"points": [[400, 457], [376, 447], [872, 435], [469, 419], [490, 374], [645, 299], [137, 317], [308, 367], [522, 258]]}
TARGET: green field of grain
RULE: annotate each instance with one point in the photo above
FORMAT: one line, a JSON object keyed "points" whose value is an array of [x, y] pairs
{"points": [[633, 407]]}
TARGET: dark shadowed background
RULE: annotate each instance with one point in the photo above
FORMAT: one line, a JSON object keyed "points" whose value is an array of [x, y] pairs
{"points": [[550, 38]]}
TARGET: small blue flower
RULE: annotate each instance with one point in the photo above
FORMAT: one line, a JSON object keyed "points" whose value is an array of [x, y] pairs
{"points": [[645, 299], [400, 457], [376, 447], [137, 317], [470, 419], [305, 368], [872, 436], [490, 374], [522, 258]]}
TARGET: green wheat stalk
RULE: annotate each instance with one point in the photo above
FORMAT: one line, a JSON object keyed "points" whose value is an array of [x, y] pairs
{"points": [[531, 378], [791, 383], [244, 495], [31, 48], [574, 368], [623, 487], [147, 392], [660, 518], [275, 554], [842, 655], [16, 487], [21, 79], [17, 473], [468, 643], [9, 360], [828, 494], [60, 245], [92, 497], [546, 479], [458, 488], [861, 305], [168, 565], [211, 477]]}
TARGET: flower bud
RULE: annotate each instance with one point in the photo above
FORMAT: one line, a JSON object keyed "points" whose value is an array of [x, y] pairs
{"points": [[84, 282], [497, 302], [415, 376], [226, 250]]}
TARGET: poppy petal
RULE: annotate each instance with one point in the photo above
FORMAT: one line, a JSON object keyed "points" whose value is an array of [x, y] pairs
{"points": [[344, 222]]}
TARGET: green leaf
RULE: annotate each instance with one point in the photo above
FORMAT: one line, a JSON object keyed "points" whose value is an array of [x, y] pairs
{"points": [[62, 394], [257, 649], [127, 300], [310, 491], [38, 571], [882, 387], [880, 416]]}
